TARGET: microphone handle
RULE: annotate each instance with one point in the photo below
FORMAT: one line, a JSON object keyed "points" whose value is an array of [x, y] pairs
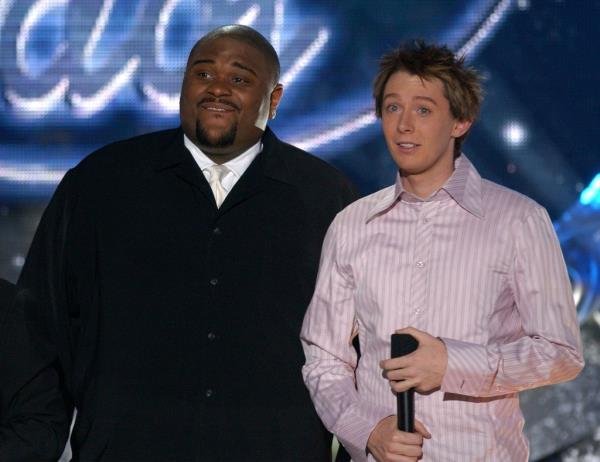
{"points": [[406, 411]]}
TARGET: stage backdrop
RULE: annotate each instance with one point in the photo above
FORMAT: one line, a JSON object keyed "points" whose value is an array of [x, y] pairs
{"points": [[77, 74]]}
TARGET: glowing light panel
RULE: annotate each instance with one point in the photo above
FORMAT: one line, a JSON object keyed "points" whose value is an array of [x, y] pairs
{"points": [[591, 195]]}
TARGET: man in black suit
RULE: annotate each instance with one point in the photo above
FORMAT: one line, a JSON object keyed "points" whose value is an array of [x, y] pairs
{"points": [[165, 294]]}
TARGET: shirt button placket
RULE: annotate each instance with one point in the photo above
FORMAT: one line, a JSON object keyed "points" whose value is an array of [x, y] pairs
{"points": [[420, 276]]}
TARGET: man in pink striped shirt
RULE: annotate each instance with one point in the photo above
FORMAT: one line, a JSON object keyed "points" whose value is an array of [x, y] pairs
{"points": [[471, 269]]}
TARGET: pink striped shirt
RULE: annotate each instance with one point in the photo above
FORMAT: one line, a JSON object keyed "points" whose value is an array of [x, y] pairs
{"points": [[477, 265]]}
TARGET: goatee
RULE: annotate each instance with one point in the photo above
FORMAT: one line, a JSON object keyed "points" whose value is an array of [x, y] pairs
{"points": [[226, 139]]}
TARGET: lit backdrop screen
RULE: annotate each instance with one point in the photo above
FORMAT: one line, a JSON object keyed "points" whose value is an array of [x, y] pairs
{"points": [[77, 74]]}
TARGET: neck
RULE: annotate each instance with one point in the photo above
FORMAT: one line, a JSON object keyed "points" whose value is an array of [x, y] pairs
{"points": [[223, 155], [423, 185], [221, 158]]}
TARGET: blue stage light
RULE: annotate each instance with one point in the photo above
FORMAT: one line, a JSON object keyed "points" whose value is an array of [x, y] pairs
{"points": [[591, 195]]}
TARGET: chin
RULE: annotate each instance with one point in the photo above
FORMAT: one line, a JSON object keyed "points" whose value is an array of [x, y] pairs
{"points": [[215, 139]]}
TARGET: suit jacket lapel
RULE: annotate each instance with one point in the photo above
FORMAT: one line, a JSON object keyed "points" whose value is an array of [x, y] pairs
{"points": [[251, 183], [175, 157], [269, 164]]}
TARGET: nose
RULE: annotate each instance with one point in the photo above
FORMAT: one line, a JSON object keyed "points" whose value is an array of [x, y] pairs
{"points": [[219, 87], [405, 122]]}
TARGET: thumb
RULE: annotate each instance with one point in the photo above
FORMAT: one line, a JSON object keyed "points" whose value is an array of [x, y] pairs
{"points": [[416, 333], [420, 428]]}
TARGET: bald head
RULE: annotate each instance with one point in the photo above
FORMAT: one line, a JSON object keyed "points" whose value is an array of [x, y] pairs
{"points": [[251, 37]]}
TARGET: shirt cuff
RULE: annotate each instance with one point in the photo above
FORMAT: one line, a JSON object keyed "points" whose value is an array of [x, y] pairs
{"points": [[354, 429], [468, 372]]}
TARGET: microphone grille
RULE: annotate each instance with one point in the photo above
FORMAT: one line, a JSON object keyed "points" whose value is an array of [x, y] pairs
{"points": [[403, 344]]}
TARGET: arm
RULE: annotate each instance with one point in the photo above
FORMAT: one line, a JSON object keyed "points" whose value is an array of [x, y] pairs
{"points": [[549, 349], [35, 406], [327, 332]]}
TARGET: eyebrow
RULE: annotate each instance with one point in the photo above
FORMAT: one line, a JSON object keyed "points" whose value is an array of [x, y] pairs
{"points": [[426, 98], [234, 64], [202, 61]]}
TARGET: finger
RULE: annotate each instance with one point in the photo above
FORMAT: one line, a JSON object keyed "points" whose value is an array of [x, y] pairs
{"points": [[407, 459], [396, 363], [410, 330], [392, 457], [406, 438], [399, 374], [412, 450], [422, 430], [404, 385]]}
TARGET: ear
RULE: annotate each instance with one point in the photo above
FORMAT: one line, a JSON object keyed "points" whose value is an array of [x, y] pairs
{"points": [[461, 127], [276, 95]]}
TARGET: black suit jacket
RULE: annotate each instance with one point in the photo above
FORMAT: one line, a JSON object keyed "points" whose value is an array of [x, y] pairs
{"points": [[172, 326], [7, 293]]}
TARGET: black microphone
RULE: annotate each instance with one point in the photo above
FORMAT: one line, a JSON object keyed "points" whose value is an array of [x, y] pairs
{"points": [[403, 344]]}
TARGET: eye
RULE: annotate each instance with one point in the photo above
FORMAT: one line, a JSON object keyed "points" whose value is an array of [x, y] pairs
{"points": [[423, 110], [392, 108], [239, 80], [202, 74]]}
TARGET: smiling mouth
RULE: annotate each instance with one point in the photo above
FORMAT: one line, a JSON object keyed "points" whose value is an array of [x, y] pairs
{"points": [[218, 106], [407, 147]]}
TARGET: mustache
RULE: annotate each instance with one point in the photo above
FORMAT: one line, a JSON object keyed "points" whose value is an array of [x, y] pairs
{"points": [[210, 99]]}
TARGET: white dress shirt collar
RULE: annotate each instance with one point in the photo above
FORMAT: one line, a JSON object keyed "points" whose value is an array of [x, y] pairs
{"points": [[237, 166]]}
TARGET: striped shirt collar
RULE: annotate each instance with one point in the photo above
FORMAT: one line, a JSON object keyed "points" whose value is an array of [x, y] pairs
{"points": [[463, 186]]}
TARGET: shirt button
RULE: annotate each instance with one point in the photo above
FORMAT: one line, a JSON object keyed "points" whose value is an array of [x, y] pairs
{"points": [[217, 231], [214, 281], [211, 336], [420, 264], [209, 393]]}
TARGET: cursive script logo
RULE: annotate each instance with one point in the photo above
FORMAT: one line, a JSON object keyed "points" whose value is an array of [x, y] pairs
{"points": [[80, 55]]}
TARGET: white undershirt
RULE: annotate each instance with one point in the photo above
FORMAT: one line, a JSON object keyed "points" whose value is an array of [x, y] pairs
{"points": [[237, 166]]}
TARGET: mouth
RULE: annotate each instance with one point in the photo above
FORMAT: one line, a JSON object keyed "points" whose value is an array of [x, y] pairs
{"points": [[218, 106], [407, 146]]}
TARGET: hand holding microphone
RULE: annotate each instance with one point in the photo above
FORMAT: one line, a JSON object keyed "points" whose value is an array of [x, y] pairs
{"points": [[423, 369], [420, 367]]}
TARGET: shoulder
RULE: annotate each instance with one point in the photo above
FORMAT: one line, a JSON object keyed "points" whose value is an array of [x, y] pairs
{"points": [[315, 179], [502, 201], [357, 214], [303, 165], [115, 168], [7, 292], [135, 151], [121, 161]]}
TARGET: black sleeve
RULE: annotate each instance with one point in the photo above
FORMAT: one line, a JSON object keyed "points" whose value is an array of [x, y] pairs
{"points": [[35, 337], [7, 295], [350, 193]]}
